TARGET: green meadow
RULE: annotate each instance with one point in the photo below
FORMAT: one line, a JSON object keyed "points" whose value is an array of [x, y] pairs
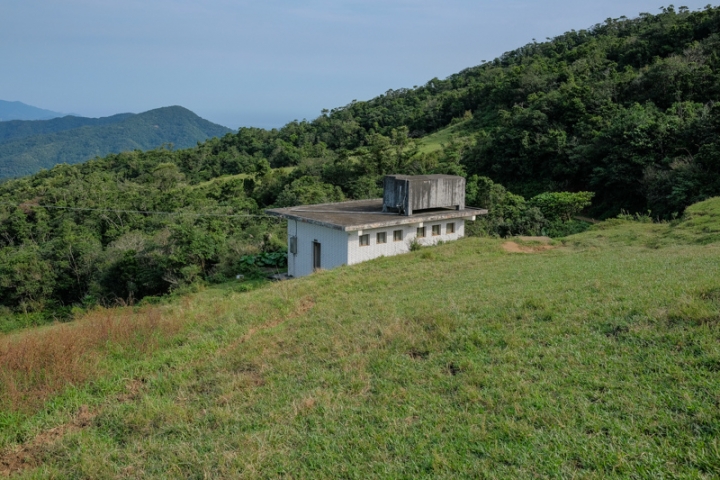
{"points": [[594, 356], [435, 142]]}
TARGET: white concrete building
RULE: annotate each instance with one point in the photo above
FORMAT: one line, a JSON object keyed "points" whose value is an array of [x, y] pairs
{"points": [[333, 234]]}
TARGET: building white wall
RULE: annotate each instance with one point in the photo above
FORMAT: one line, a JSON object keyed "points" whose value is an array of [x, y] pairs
{"points": [[333, 247], [358, 253], [343, 248]]}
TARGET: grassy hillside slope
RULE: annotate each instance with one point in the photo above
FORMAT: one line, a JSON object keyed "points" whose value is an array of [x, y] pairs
{"points": [[176, 125], [597, 358]]}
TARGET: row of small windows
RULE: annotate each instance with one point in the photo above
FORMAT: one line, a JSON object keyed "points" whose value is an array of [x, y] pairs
{"points": [[381, 237]]}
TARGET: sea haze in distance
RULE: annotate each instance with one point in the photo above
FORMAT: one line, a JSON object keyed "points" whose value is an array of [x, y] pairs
{"points": [[242, 63]]}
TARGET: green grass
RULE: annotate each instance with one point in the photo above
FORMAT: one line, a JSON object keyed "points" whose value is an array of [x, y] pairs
{"points": [[437, 140], [597, 359], [700, 225]]}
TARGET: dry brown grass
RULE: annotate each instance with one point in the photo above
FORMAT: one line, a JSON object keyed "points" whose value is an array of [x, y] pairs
{"points": [[38, 363], [513, 247]]}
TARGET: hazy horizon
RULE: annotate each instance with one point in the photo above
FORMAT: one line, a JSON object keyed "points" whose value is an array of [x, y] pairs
{"points": [[238, 63]]}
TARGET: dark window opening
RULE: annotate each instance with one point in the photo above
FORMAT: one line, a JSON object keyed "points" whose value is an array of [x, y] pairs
{"points": [[316, 256]]}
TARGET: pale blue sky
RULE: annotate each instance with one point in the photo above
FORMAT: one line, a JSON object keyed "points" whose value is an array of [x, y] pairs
{"points": [[262, 63]]}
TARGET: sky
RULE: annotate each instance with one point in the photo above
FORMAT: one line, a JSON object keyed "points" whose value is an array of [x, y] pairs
{"points": [[262, 63]]}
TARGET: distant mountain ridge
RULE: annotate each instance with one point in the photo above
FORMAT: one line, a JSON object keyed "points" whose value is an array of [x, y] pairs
{"points": [[23, 111], [15, 129], [29, 146]]}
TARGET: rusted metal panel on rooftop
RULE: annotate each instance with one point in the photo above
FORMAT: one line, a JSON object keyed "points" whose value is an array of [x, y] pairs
{"points": [[406, 194]]}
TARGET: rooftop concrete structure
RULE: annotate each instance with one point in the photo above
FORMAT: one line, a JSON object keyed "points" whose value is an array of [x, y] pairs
{"points": [[367, 214], [406, 194]]}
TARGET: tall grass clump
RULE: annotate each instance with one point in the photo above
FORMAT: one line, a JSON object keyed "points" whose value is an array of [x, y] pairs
{"points": [[36, 364]]}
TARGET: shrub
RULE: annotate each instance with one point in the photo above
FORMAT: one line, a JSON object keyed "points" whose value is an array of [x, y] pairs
{"points": [[508, 214], [558, 228], [561, 205]]}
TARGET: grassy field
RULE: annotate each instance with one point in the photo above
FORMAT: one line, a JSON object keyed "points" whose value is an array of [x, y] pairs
{"points": [[437, 140], [596, 358]]}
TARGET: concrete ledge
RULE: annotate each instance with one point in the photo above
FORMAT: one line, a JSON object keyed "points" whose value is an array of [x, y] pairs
{"points": [[366, 214]]}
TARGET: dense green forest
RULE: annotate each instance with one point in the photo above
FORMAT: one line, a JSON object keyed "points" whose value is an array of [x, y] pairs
{"points": [[625, 111], [28, 146]]}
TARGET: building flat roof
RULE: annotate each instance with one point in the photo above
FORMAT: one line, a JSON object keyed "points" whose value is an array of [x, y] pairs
{"points": [[366, 214], [423, 178]]}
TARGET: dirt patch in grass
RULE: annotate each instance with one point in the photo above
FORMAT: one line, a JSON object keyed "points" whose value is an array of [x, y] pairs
{"points": [[132, 391], [514, 247], [535, 239], [26, 455], [304, 306]]}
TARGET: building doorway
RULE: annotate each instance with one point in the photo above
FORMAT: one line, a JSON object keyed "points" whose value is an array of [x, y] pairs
{"points": [[316, 255]]}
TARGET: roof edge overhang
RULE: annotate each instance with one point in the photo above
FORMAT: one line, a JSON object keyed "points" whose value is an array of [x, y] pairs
{"points": [[393, 218]]}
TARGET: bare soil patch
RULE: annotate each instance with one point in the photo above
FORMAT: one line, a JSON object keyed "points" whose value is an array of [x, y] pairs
{"points": [[514, 247], [26, 455], [535, 239]]}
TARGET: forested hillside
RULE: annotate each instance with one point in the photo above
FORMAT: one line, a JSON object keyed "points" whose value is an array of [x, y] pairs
{"points": [[26, 147], [16, 129], [625, 110]]}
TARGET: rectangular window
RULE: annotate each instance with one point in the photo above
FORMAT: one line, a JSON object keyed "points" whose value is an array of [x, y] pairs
{"points": [[436, 230], [450, 228], [421, 232], [364, 240], [381, 237], [397, 236]]}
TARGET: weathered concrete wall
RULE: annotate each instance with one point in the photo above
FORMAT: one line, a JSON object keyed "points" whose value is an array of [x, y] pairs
{"points": [[395, 193], [409, 193]]}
